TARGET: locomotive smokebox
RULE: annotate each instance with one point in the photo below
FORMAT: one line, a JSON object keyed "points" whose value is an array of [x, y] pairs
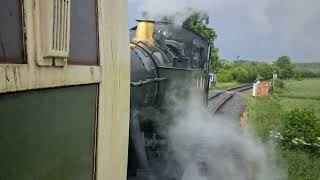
{"points": [[144, 32]]}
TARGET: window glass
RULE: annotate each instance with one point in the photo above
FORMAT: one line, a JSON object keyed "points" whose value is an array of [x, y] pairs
{"points": [[48, 134], [83, 33], [11, 39]]}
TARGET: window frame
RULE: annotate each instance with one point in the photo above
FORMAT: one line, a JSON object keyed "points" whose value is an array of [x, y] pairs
{"points": [[112, 74], [20, 77], [23, 38]]}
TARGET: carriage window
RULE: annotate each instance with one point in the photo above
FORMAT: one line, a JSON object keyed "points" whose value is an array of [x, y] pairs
{"points": [[48, 134], [83, 33], [11, 39]]}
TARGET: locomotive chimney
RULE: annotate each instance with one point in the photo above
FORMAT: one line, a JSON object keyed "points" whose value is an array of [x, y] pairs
{"points": [[144, 32]]}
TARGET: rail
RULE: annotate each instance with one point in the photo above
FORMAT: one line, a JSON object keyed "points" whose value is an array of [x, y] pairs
{"points": [[229, 93]]}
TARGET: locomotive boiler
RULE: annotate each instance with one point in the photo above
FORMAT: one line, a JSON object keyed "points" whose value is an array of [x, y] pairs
{"points": [[168, 62]]}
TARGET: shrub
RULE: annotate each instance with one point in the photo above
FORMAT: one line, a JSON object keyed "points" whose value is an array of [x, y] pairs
{"points": [[224, 76], [301, 165], [246, 73], [266, 70], [304, 73], [301, 130], [240, 74], [298, 74], [285, 67], [265, 116], [279, 84]]}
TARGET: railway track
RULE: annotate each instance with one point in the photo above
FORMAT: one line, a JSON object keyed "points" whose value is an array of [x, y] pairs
{"points": [[225, 96]]}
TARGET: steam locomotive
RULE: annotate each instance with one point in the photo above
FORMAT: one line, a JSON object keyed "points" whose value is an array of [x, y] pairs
{"points": [[167, 60]]}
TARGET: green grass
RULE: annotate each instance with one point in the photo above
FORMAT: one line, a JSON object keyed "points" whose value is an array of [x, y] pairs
{"points": [[301, 94], [305, 89], [301, 165], [265, 115], [292, 103], [226, 85]]}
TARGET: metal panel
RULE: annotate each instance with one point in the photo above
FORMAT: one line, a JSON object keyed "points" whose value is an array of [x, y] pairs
{"points": [[48, 134], [181, 84], [11, 41], [83, 33]]}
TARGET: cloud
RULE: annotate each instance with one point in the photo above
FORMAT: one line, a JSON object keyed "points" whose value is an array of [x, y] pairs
{"points": [[290, 24]]}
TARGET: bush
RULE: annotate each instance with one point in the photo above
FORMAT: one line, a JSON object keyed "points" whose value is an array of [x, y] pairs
{"points": [[285, 67], [279, 84], [240, 74], [224, 76], [300, 131], [265, 116], [266, 70], [298, 74], [246, 73], [301, 165], [304, 73]]}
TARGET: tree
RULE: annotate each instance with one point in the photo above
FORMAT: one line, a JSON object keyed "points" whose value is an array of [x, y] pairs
{"points": [[283, 61], [285, 67], [225, 64], [240, 74], [199, 21], [266, 70], [224, 75]]}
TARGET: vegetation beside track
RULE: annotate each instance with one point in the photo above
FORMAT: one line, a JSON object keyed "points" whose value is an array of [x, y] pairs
{"points": [[246, 71], [226, 85], [305, 89], [290, 118]]}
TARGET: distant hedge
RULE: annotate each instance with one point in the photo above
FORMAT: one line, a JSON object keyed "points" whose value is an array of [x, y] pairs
{"points": [[247, 71]]}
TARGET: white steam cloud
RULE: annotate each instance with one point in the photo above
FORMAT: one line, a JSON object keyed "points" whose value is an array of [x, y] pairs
{"points": [[210, 148], [294, 15], [294, 25]]}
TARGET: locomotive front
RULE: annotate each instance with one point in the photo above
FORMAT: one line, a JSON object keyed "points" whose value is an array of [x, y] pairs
{"points": [[166, 60]]}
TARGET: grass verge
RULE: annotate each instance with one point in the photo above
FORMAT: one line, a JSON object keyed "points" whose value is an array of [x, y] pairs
{"points": [[226, 85], [265, 115], [304, 89]]}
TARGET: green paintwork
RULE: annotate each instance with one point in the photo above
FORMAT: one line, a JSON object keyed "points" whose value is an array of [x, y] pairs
{"points": [[180, 84], [48, 134]]}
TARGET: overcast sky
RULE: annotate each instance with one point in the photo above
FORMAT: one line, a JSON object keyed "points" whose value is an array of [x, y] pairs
{"points": [[252, 29]]}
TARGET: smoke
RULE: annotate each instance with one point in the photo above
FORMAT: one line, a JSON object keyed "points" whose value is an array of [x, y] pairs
{"points": [[271, 27], [184, 141], [264, 15], [208, 147]]}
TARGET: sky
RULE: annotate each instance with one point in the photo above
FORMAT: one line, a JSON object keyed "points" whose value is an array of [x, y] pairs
{"points": [[259, 30]]}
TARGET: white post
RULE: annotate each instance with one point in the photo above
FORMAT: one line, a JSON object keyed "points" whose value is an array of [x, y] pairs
{"points": [[274, 78], [254, 89]]}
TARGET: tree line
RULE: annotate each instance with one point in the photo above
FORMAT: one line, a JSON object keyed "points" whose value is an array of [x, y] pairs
{"points": [[240, 71], [247, 71]]}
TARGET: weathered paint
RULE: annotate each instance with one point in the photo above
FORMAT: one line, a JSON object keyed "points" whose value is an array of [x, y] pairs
{"points": [[263, 88], [114, 90], [113, 76], [18, 77]]}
